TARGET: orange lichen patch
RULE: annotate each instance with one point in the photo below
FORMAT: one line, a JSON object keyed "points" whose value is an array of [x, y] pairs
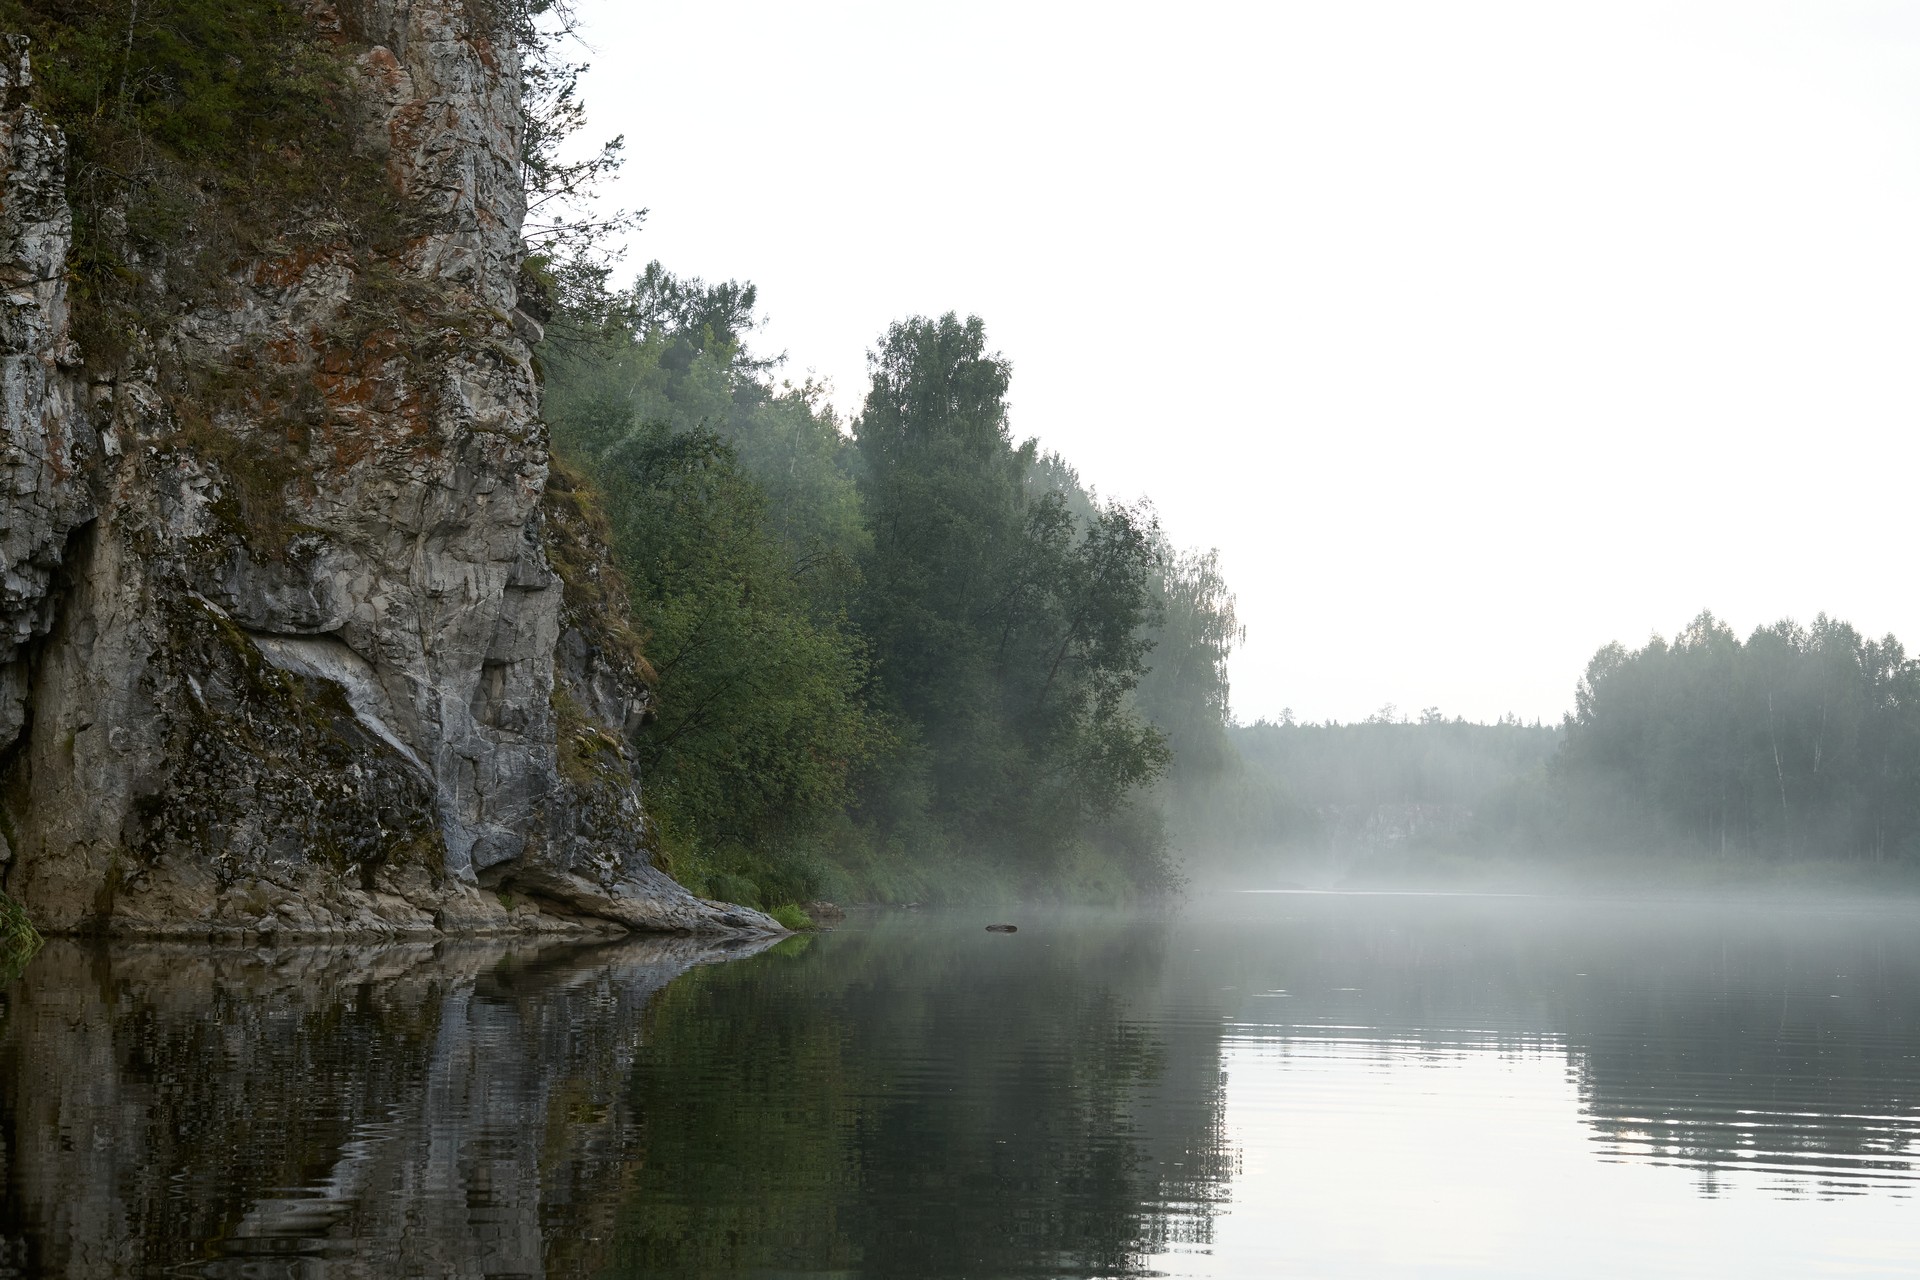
{"points": [[416, 250], [408, 128], [419, 121], [383, 68], [335, 363], [385, 392], [347, 442], [58, 463], [382, 347], [287, 270], [353, 375], [370, 404], [484, 48]]}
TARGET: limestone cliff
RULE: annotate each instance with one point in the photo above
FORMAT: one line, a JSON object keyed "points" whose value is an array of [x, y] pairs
{"points": [[280, 613]]}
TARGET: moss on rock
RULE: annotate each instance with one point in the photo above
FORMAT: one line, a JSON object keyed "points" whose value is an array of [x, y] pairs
{"points": [[270, 766]]}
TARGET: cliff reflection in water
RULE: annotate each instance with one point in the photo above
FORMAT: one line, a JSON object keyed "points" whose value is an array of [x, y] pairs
{"points": [[406, 1110], [474, 1111], [915, 1097]]}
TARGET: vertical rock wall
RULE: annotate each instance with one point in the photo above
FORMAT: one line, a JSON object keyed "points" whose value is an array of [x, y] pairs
{"points": [[47, 443], [289, 558]]}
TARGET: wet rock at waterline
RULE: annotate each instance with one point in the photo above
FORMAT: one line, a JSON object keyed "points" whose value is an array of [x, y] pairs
{"points": [[283, 646]]}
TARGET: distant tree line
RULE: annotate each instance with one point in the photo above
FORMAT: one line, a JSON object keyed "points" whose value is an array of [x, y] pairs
{"points": [[902, 656], [1798, 744]]}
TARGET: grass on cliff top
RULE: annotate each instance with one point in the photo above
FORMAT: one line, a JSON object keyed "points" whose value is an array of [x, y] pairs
{"points": [[194, 127]]}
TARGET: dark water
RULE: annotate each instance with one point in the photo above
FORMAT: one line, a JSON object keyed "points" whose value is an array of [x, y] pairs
{"points": [[1267, 1085]]}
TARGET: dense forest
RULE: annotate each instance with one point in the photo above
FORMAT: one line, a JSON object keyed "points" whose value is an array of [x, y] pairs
{"points": [[1705, 753], [905, 656], [1799, 742]]}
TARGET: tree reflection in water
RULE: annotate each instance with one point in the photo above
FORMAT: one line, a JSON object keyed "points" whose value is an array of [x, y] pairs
{"points": [[1771, 1040], [470, 1111], [927, 1100], [915, 1097]]}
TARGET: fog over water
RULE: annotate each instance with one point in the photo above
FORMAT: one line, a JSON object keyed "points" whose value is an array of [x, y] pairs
{"points": [[1475, 335], [1258, 1084]]}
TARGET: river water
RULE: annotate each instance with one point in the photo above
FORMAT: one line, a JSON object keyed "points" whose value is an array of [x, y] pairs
{"points": [[1256, 1085]]}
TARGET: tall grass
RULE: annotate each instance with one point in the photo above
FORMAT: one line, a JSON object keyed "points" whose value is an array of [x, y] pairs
{"points": [[792, 918], [18, 939]]}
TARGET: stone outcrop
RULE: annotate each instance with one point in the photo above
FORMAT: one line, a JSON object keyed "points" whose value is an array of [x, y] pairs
{"points": [[47, 441], [283, 649]]}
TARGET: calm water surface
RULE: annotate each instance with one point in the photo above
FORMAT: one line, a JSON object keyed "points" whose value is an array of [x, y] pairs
{"points": [[1267, 1085]]}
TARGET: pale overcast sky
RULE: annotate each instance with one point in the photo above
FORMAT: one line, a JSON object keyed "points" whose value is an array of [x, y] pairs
{"points": [[1474, 335]]}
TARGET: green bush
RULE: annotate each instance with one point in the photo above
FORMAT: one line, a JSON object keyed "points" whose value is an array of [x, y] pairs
{"points": [[18, 938], [728, 887], [792, 917]]}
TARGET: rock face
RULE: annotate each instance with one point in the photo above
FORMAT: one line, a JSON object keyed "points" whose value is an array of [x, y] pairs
{"points": [[48, 444], [279, 619]]}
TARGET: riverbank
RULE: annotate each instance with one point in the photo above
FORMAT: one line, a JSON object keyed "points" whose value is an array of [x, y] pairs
{"points": [[311, 909]]}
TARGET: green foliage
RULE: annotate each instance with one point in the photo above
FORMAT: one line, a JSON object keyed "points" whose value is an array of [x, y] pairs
{"points": [[792, 917], [19, 940], [1345, 790], [906, 664], [1009, 631], [559, 181], [1700, 759], [1185, 693], [670, 351], [761, 723], [190, 78], [1801, 742], [597, 595]]}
